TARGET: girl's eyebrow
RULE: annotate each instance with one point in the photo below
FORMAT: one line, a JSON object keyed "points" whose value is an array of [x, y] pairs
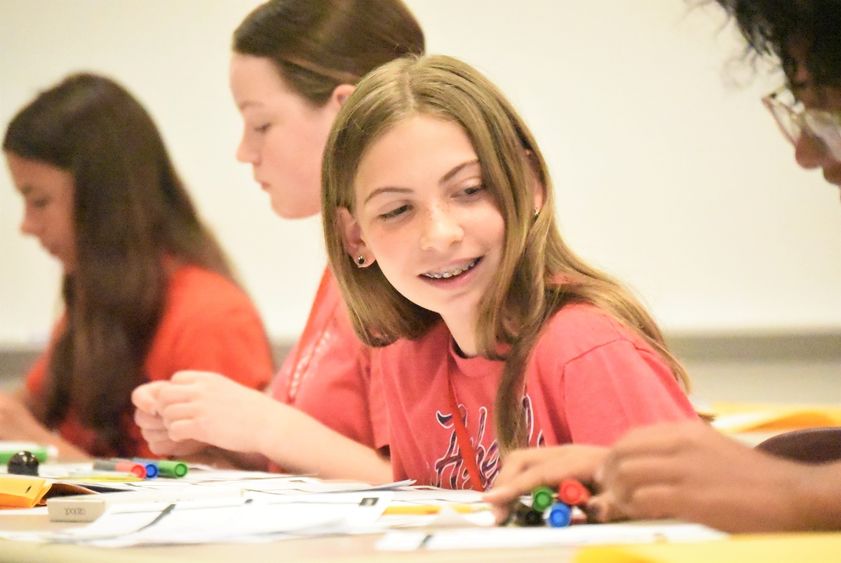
{"points": [[249, 104], [444, 179], [385, 189], [456, 169]]}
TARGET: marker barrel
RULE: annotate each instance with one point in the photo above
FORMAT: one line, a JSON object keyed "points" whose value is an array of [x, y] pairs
{"points": [[120, 465]]}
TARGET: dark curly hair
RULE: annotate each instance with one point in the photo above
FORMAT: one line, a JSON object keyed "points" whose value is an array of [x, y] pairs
{"points": [[772, 27]]}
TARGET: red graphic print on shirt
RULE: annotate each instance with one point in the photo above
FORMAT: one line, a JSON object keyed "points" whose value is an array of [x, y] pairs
{"points": [[450, 470]]}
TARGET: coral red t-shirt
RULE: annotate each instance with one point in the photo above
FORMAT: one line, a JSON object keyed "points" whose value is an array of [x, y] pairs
{"points": [[327, 374], [588, 381], [208, 324]]}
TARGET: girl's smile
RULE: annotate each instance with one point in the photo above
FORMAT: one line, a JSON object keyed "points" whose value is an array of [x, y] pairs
{"points": [[423, 213]]}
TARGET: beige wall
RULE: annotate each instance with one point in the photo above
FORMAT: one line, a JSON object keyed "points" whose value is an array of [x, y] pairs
{"points": [[667, 175]]}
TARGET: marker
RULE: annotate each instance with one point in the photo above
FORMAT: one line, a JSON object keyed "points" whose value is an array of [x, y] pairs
{"points": [[9, 449], [171, 468], [542, 498], [560, 515], [120, 465], [524, 515], [150, 466], [422, 509], [572, 492], [107, 476]]}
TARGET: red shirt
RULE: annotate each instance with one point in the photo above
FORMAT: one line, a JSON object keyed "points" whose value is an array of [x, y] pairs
{"points": [[208, 324], [588, 381], [327, 374]]}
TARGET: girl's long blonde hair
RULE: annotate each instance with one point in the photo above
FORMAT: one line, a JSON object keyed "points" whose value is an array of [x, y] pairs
{"points": [[538, 273]]}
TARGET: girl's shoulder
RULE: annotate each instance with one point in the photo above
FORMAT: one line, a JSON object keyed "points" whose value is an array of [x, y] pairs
{"points": [[199, 289], [578, 328]]}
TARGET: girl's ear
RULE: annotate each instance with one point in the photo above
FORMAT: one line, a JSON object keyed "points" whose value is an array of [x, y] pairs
{"points": [[340, 94], [538, 188], [352, 239]]}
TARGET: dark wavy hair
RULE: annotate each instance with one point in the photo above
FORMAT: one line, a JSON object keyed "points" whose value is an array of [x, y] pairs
{"points": [[772, 27], [318, 44], [133, 219]]}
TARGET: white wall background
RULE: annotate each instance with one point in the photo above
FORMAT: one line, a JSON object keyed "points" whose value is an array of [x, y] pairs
{"points": [[668, 175]]}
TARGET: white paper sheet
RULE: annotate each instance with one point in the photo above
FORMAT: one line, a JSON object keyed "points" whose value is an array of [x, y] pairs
{"points": [[513, 537]]}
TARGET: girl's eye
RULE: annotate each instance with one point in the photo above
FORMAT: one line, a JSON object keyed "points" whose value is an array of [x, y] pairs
{"points": [[396, 212], [262, 128], [39, 203], [472, 191]]}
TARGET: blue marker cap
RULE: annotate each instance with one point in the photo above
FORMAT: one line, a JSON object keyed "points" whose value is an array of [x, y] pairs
{"points": [[151, 469], [560, 515]]}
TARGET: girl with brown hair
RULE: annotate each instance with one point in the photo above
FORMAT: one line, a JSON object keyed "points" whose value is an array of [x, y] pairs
{"points": [[438, 216], [147, 290]]}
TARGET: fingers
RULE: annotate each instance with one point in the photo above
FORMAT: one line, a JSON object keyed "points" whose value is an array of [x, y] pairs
{"points": [[603, 508], [184, 429], [148, 421], [524, 470], [162, 447], [145, 397], [186, 377]]}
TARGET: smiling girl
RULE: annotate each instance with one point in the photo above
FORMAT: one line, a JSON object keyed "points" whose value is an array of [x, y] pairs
{"points": [[438, 216]]}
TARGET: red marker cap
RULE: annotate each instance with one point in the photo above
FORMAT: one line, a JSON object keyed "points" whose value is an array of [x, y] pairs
{"points": [[572, 492]]}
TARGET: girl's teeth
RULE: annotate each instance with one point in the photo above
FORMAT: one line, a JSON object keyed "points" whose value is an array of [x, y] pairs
{"points": [[451, 273]]}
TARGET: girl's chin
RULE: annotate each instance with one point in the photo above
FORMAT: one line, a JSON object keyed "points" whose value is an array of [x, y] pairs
{"points": [[285, 211]]}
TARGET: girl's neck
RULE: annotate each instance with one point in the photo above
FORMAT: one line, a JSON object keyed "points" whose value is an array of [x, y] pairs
{"points": [[463, 329]]}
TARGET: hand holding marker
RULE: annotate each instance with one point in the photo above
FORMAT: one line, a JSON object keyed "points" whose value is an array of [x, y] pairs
{"points": [[556, 512]]}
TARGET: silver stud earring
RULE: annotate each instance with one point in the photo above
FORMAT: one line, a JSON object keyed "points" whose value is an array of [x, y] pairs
{"points": [[360, 260]]}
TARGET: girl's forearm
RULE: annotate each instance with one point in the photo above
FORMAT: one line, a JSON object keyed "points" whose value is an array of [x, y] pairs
{"points": [[306, 446]]}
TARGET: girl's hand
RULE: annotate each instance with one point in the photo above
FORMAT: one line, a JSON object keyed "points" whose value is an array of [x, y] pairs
{"points": [[523, 470], [153, 427], [210, 408]]}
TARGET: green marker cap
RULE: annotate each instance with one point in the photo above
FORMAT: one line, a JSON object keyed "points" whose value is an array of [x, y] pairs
{"points": [[168, 468], [542, 498]]}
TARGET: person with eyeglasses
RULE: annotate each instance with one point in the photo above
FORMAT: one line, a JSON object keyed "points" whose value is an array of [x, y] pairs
{"points": [[816, 133], [689, 470]]}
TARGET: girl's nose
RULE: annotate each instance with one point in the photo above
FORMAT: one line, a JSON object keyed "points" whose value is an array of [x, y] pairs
{"points": [[245, 152], [441, 230], [809, 151]]}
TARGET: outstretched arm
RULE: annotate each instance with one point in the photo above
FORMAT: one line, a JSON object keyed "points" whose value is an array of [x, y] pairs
{"points": [[211, 409], [18, 423], [692, 472]]}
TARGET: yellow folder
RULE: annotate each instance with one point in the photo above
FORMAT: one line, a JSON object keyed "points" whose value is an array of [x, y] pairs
{"points": [[801, 547], [21, 491], [757, 417]]}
